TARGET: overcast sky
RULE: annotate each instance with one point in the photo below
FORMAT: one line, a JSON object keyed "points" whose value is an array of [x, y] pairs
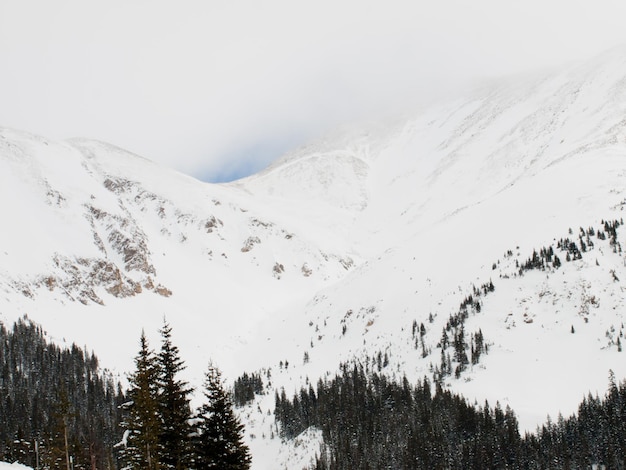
{"points": [[219, 88]]}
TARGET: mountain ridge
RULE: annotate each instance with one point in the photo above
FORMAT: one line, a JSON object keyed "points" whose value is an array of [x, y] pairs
{"points": [[333, 251]]}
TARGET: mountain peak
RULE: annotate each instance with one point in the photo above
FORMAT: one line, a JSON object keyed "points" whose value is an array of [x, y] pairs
{"points": [[332, 252]]}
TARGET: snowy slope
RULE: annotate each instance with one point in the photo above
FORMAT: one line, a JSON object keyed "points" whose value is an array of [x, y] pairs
{"points": [[448, 193], [337, 248], [98, 233], [13, 466]]}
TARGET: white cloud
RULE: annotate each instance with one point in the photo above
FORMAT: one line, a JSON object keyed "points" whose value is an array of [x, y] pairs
{"points": [[192, 83]]}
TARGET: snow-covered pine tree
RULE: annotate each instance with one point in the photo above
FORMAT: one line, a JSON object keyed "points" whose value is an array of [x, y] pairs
{"points": [[174, 408], [218, 440], [142, 423]]}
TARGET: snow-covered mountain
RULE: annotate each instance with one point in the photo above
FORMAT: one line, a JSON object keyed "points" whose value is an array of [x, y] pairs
{"points": [[337, 249]]}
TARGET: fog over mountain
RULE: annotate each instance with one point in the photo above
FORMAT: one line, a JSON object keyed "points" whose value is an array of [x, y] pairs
{"points": [[338, 248], [220, 90]]}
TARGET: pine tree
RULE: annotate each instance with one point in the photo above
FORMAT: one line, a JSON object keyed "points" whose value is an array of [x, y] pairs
{"points": [[219, 437], [142, 425], [174, 409], [59, 449], [54, 400]]}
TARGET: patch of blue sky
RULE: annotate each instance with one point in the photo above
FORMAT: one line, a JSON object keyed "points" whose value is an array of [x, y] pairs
{"points": [[249, 160]]}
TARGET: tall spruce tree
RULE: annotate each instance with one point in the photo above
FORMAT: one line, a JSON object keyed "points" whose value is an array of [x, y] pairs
{"points": [[174, 408], [219, 434], [142, 425], [58, 455]]}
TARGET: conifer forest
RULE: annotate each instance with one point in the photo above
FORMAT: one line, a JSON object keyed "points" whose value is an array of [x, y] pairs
{"points": [[60, 410], [371, 422], [56, 403]]}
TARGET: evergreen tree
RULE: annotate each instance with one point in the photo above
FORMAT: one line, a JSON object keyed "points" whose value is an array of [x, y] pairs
{"points": [[174, 409], [58, 455], [142, 425], [219, 437], [49, 394]]}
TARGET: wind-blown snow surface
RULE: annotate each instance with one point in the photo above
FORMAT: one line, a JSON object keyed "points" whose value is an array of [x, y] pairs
{"points": [[367, 230], [13, 466]]}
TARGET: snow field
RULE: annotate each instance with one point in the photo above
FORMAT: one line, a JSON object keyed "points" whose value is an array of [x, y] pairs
{"points": [[367, 232]]}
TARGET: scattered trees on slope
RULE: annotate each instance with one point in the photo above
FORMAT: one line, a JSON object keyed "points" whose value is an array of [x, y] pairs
{"points": [[574, 249], [246, 387], [455, 327]]}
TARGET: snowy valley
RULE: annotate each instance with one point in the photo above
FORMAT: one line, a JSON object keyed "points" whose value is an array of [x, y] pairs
{"points": [[365, 244]]}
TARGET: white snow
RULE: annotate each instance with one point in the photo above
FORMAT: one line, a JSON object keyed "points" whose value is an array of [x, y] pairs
{"points": [[392, 224], [13, 466]]}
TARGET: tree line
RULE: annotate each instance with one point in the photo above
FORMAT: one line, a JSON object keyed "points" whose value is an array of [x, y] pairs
{"points": [[59, 410], [369, 421]]}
